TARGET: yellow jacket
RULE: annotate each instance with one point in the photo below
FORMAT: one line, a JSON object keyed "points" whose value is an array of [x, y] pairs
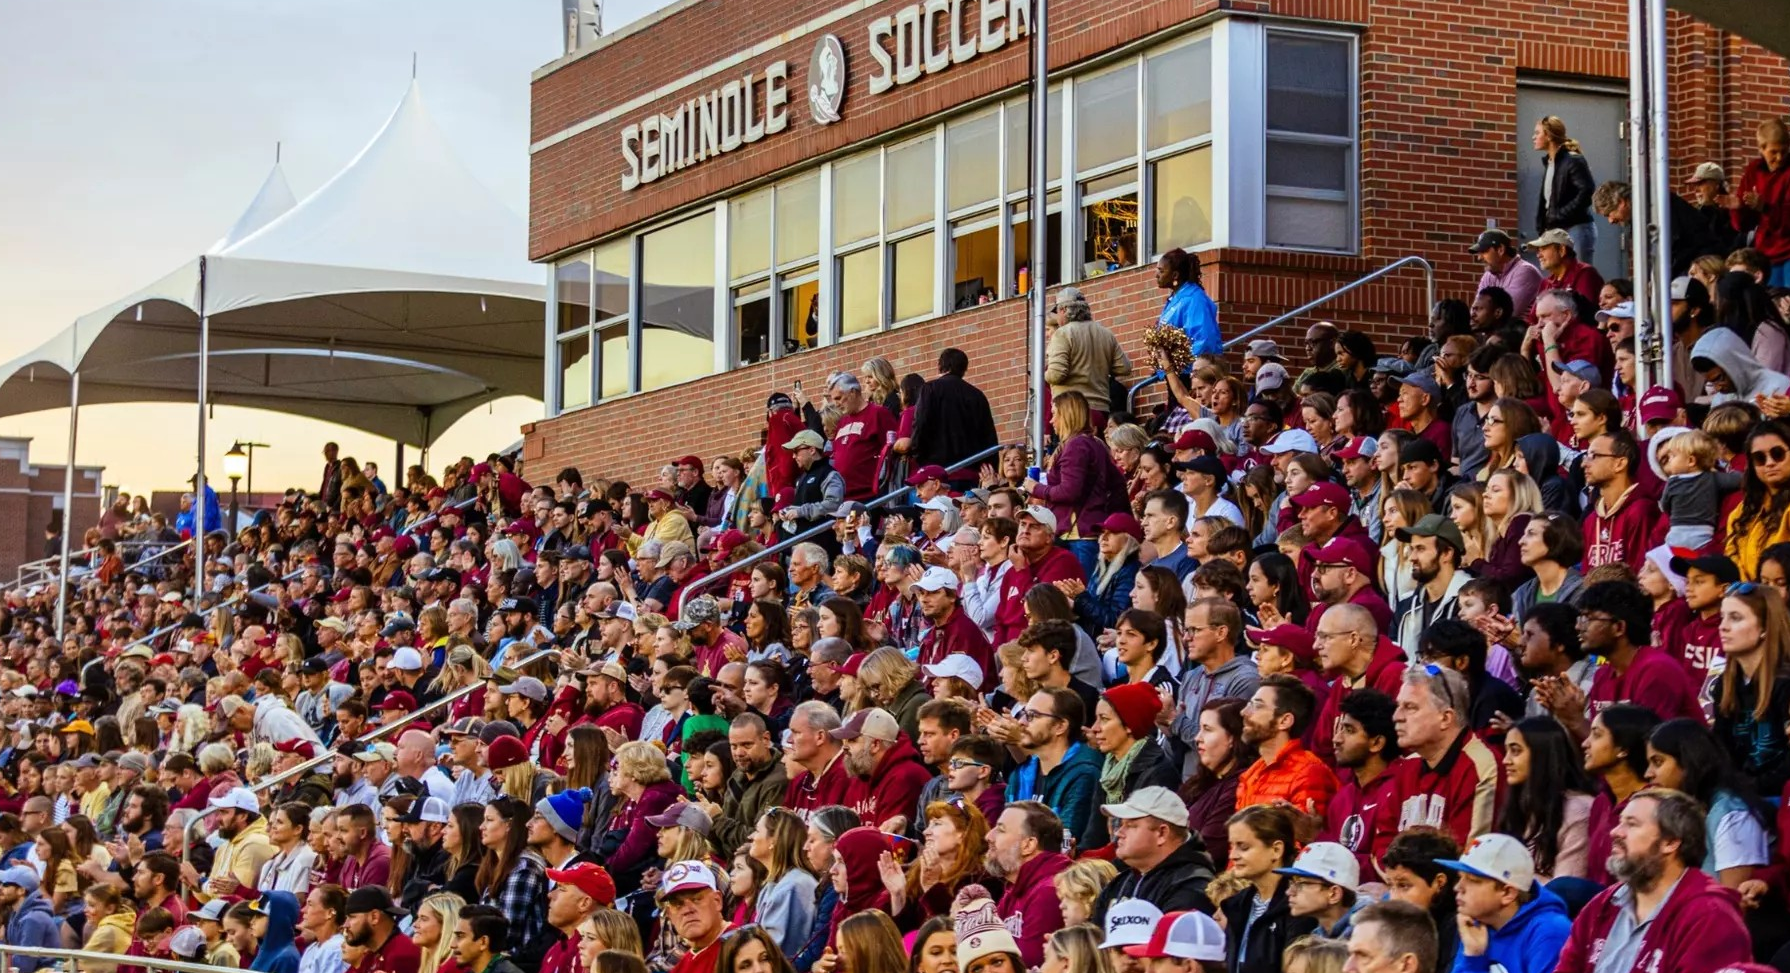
{"points": [[241, 857], [1746, 544], [110, 935]]}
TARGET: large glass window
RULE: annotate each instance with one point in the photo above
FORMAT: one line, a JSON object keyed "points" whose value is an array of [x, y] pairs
{"points": [[613, 342], [860, 291], [1109, 223], [1106, 117], [574, 371], [857, 198], [911, 267], [752, 322], [677, 327], [801, 308], [1019, 127], [1178, 93], [749, 234], [1021, 247], [1181, 188], [572, 286], [798, 219], [972, 161], [975, 260], [910, 171], [1310, 176]]}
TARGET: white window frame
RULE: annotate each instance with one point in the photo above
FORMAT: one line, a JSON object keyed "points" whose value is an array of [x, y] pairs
{"points": [[1149, 247], [1351, 143]]}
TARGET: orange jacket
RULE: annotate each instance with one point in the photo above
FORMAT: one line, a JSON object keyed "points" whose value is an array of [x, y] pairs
{"points": [[1295, 775]]}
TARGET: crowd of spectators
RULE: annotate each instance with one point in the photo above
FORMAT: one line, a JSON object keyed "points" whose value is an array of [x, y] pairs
{"points": [[1472, 655]]}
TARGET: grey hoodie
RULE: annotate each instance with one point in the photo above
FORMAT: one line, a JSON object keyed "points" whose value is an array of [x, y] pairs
{"points": [[1724, 349]]}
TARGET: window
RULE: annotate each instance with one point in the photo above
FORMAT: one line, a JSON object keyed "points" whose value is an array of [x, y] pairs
{"points": [[798, 219], [911, 199], [972, 190], [1178, 144], [975, 260], [752, 322], [860, 291], [1106, 118], [677, 327], [1019, 127], [572, 285], [1181, 189], [857, 199], [1178, 93], [1109, 223], [749, 235], [911, 268], [1310, 174], [1021, 247], [614, 272], [801, 308]]}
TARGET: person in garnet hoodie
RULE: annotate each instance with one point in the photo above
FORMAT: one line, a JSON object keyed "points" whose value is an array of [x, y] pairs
{"points": [[864, 430], [1666, 915], [887, 774], [1353, 652]]}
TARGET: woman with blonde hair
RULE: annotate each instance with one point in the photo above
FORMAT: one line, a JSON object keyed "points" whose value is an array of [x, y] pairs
{"points": [[1314, 954], [1566, 187], [607, 929], [1015, 684], [192, 727], [785, 904], [889, 679], [504, 555], [433, 929], [1076, 949], [110, 921], [1401, 508], [878, 378], [1079, 886], [1510, 498], [643, 788]]}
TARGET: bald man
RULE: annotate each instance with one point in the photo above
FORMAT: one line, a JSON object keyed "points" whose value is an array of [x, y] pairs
{"points": [[416, 761]]}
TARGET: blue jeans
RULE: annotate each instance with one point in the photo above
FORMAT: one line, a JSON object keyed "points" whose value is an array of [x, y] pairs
{"points": [[1087, 552], [1584, 240]]}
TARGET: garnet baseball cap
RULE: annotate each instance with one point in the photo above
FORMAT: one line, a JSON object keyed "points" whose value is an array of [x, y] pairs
{"points": [[1659, 404], [1342, 550], [1123, 523], [1286, 636], [1196, 439], [587, 877], [1358, 447], [1322, 494], [931, 471]]}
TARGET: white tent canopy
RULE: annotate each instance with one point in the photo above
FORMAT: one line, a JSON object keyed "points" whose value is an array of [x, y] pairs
{"points": [[394, 299]]}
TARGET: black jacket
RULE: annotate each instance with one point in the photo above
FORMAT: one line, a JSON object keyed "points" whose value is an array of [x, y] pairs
{"points": [[1178, 884], [1150, 768], [1573, 187], [952, 421], [1267, 937]]}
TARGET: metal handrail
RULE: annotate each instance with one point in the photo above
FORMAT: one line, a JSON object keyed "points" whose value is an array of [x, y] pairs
{"points": [[1429, 277], [207, 612], [818, 529], [435, 517], [85, 957], [45, 568]]}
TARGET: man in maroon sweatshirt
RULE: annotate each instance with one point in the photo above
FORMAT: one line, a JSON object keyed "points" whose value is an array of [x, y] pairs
{"points": [[1353, 652], [1622, 524], [1366, 747], [1025, 849], [886, 772], [1450, 780], [814, 760], [1616, 622], [865, 429], [1036, 560], [1666, 916]]}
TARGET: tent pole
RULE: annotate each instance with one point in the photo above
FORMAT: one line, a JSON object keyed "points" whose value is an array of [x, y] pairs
{"points": [[68, 502], [199, 524], [1640, 202], [397, 467], [1660, 189]]}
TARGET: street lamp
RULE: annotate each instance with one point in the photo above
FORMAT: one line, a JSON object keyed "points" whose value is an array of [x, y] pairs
{"points": [[236, 466]]}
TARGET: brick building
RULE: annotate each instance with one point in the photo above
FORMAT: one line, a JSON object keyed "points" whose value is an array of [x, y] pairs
{"points": [[31, 498], [737, 196]]}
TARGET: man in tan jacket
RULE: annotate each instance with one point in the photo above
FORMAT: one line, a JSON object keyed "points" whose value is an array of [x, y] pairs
{"points": [[1083, 356]]}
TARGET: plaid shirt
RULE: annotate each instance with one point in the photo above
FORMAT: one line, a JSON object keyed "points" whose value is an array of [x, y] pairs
{"points": [[523, 898]]}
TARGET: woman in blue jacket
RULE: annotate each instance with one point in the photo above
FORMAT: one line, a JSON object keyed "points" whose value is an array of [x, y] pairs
{"points": [[1189, 307]]}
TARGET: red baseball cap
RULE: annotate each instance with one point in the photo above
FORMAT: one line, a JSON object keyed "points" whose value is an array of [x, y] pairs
{"points": [[658, 495], [850, 666], [1195, 439], [695, 461], [1325, 493], [1342, 550], [1659, 404], [728, 540], [1292, 638], [931, 471], [297, 746], [1123, 523], [1358, 447], [587, 877], [398, 700]]}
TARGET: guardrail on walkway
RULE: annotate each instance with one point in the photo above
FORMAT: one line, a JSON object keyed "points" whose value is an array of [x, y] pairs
{"points": [[86, 960]]}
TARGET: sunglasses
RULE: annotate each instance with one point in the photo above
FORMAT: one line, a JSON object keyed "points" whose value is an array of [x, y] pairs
{"points": [[1775, 454]]}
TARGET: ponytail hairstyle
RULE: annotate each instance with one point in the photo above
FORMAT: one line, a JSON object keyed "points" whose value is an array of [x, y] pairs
{"points": [[1555, 127]]}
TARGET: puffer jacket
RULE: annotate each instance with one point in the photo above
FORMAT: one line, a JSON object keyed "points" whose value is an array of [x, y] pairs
{"points": [[110, 935]]}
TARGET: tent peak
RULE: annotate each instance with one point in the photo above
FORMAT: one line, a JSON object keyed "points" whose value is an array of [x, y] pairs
{"points": [[271, 201]]}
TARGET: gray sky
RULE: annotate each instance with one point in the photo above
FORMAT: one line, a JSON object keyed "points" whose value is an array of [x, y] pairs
{"points": [[134, 132]]}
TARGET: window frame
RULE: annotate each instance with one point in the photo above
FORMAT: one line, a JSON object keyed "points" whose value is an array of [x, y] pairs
{"points": [[1351, 143]]}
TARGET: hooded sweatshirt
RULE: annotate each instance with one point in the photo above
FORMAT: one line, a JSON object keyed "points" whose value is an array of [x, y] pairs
{"points": [[1031, 908], [110, 935], [1727, 350], [1385, 672], [33, 924], [1698, 928], [1529, 943], [1177, 883], [277, 953], [893, 788], [1541, 454]]}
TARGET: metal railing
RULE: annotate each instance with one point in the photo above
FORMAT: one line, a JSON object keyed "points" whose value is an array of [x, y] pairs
{"points": [[266, 784], [435, 517], [86, 959], [44, 570], [206, 613], [817, 530], [1429, 283]]}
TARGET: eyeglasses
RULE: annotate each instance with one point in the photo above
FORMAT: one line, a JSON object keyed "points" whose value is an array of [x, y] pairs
{"points": [[1595, 455], [1775, 454], [958, 763], [1327, 636], [1492, 420], [1601, 619], [1025, 715]]}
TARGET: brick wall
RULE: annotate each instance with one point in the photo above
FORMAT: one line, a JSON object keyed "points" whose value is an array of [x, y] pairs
{"points": [[29, 496], [1438, 121]]}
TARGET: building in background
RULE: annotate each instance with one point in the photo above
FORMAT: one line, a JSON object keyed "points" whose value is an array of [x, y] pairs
{"points": [[728, 204], [31, 501]]}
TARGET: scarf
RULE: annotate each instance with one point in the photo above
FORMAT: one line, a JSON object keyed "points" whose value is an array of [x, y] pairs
{"points": [[1113, 771]]}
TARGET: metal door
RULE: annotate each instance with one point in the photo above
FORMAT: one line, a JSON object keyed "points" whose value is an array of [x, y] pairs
{"points": [[1595, 117]]}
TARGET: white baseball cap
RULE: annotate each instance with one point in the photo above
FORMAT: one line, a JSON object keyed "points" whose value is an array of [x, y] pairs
{"points": [[936, 579], [406, 659], [940, 503], [1150, 802], [1183, 935], [1042, 514], [1291, 441], [1498, 857], [1326, 861], [237, 798], [1129, 923], [686, 875], [961, 666]]}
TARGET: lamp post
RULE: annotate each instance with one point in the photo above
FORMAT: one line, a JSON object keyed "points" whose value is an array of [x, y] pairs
{"points": [[236, 466]]}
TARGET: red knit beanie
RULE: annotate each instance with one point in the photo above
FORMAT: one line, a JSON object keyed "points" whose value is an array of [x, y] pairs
{"points": [[1137, 705]]}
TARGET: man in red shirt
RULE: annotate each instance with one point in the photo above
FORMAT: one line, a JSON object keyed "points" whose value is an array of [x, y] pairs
{"points": [[1697, 643], [953, 632], [372, 926], [1559, 335], [1352, 651], [1561, 268], [578, 892], [1622, 524], [864, 430], [690, 897], [1616, 622], [1036, 560], [1450, 780], [715, 645], [606, 692], [1366, 747], [814, 760]]}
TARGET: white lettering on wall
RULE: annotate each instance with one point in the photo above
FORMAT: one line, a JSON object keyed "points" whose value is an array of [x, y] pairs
{"points": [[740, 112]]}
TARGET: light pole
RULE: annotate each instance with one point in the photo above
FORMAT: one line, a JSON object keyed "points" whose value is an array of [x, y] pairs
{"points": [[236, 466]]}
